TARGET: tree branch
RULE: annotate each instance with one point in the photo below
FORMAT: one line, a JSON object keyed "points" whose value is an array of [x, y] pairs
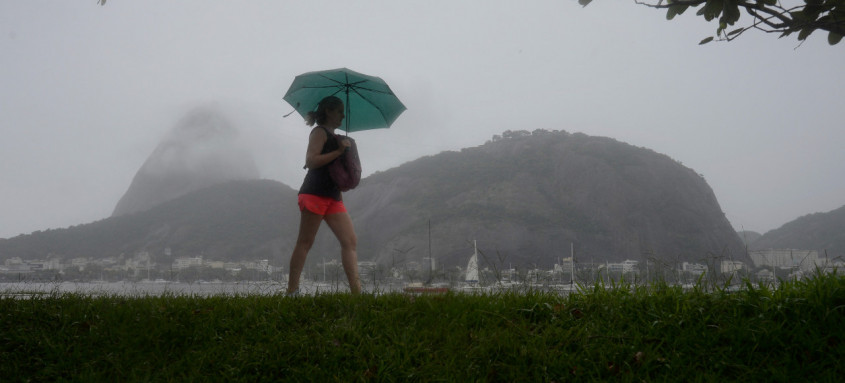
{"points": [[826, 15], [660, 5]]}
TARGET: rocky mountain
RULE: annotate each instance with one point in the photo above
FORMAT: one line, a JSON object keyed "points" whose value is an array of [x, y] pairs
{"points": [[824, 232], [200, 151], [748, 237], [526, 198], [238, 220]]}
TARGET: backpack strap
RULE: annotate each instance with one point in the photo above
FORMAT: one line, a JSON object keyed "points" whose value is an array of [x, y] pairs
{"points": [[328, 136]]}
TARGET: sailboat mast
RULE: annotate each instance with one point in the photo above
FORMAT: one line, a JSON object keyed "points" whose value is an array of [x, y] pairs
{"points": [[572, 263], [430, 271], [471, 276]]}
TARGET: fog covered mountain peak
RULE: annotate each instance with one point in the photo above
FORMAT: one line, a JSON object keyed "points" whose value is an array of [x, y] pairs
{"points": [[202, 149]]}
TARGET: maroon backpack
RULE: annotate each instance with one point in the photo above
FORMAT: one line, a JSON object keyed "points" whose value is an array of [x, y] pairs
{"points": [[346, 169]]}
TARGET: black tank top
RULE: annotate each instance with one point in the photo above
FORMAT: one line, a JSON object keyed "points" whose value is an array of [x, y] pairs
{"points": [[318, 181]]}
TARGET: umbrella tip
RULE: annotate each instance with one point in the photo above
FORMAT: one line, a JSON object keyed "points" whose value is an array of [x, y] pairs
{"points": [[294, 110]]}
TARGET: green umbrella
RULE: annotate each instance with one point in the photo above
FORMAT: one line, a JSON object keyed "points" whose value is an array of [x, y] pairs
{"points": [[370, 104]]}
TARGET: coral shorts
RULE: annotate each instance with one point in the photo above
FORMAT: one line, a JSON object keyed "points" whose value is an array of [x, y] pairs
{"points": [[320, 205]]}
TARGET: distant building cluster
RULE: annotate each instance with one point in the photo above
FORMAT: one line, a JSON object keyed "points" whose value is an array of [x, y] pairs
{"points": [[766, 265], [798, 262], [140, 263]]}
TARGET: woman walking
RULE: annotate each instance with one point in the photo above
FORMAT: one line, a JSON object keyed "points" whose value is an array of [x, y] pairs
{"points": [[319, 197]]}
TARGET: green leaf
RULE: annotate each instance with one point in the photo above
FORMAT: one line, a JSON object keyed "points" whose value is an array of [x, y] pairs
{"points": [[675, 10], [671, 13], [798, 17], [705, 41], [711, 9], [731, 13], [735, 31], [833, 38], [584, 2], [805, 32]]}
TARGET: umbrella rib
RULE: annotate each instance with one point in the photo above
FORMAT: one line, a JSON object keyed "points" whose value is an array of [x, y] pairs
{"points": [[380, 109], [372, 90], [370, 100], [352, 85], [322, 87], [331, 79]]}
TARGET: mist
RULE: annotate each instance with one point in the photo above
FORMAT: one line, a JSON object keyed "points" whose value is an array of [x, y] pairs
{"points": [[88, 92]]}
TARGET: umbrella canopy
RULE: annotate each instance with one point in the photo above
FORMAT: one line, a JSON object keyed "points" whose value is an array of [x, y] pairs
{"points": [[370, 104]]}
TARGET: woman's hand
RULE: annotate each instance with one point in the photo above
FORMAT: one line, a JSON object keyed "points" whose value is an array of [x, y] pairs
{"points": [[318, 137], [343, 144]]}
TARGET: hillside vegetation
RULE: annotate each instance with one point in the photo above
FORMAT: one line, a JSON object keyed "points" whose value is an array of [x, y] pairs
{"points": [[820, 231], [232, 221], [527, 198]]}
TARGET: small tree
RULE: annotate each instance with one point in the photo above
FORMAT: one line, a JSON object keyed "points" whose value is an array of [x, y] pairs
{"points": [[771, 16]]}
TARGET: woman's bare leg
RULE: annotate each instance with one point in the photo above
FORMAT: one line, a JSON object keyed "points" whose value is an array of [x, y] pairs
{"points": [[341, 225], [309, 224]]}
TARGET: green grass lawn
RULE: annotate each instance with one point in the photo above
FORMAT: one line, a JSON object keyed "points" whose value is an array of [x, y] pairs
{"points": [[791, 333]]}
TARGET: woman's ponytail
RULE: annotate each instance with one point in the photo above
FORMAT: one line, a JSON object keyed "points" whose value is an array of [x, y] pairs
{"points": [[319, 116], [311, 118]]}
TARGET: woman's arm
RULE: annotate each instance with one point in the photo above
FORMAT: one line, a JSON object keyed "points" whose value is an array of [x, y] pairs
{"points": [[313, 158]]}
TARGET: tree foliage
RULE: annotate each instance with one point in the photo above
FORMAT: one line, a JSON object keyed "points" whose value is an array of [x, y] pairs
{"points": [[770, 16]]}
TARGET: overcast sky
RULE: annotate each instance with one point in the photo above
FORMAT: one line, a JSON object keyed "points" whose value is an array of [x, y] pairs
{"points": [[87, 92]]}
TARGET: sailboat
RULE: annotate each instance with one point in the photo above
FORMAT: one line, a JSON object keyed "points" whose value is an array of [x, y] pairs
{"points": [[471, 278], [472, 267], [427, 288]]}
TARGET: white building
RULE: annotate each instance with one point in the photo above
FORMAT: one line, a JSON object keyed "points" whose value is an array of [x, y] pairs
{"points": [[729, 267], [50, 264], [627, 266], [141, 261], [806, 260], [185, 262], [80, 263], [537, 276], [216, 264], [694, 268], [565, 265], [14, 261], [260, 265]]}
